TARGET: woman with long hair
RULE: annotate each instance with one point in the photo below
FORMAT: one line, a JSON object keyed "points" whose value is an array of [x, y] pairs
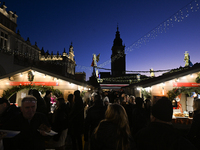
{"points": [[113, 132]]}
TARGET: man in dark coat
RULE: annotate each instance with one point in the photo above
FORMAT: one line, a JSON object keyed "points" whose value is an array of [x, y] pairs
{"points": [[31, 136], [95, 114], [160, 134], [138, 116], [76, 121]]}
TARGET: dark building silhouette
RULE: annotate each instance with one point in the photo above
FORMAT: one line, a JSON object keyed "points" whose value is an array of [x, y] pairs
{"points": [[118, 77], [118, 57]]}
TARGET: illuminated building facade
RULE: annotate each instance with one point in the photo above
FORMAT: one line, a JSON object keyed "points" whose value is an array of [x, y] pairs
{"points": [[16, 53], [19, 56]]}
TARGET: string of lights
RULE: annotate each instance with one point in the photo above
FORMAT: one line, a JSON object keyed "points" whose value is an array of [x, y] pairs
{"points": [[177, 17], [137, 78], [139, 71]]}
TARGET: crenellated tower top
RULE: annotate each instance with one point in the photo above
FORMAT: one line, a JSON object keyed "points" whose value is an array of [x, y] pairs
{"points": [[50, 57], [12, 22], [12, 16]]}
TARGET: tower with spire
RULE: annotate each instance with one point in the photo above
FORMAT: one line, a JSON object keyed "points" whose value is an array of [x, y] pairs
{"points": [[118, 57]]}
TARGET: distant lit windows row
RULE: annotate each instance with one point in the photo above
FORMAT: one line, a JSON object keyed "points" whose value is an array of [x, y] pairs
{"points": [[4, 39]]}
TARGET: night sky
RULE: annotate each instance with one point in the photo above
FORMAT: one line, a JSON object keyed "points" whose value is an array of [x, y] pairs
{"points": [[91, 26]]}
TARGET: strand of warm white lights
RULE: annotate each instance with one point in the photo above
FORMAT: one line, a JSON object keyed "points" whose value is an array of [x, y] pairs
{"points": [[177, 17], [139, 71]]}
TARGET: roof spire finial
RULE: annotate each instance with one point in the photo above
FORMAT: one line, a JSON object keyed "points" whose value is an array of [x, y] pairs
{"points": [[117, 27]]}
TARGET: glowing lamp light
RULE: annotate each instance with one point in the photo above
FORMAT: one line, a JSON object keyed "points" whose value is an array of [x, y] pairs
{"points": [[21, 75], [195, 95], [148, 89], [45, 76], [184, 77], [71, 84], [191, 75]]}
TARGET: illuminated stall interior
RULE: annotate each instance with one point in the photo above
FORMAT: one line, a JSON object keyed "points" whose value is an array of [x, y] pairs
{"points": [[65, 85], [184, 80]]}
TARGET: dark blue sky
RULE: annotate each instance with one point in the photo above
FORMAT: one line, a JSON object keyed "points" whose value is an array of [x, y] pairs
{"points": [[91, 26]]}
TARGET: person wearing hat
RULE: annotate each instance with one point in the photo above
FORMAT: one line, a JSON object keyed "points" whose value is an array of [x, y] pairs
{"points": [[160, 133]]}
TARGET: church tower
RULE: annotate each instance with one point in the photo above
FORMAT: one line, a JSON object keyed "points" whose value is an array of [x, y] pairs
{"points": [[118, 60]]}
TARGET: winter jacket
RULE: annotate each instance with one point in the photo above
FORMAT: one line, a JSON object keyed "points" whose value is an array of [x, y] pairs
{"points": [[95, 114], [11, 112], [161, 136], [29, 137], [139, 120], [76, 117], [194, 132]]}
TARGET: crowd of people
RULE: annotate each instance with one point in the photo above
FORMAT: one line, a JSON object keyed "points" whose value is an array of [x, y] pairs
{"points": [[102, 121]]}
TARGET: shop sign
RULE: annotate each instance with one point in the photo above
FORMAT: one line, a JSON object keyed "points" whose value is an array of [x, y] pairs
{"points": [[186, 84], [35, 83]]}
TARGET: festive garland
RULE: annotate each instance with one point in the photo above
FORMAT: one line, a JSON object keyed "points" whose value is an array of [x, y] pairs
{"points": [[9, 92], [172, 94], [146, 94]]}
